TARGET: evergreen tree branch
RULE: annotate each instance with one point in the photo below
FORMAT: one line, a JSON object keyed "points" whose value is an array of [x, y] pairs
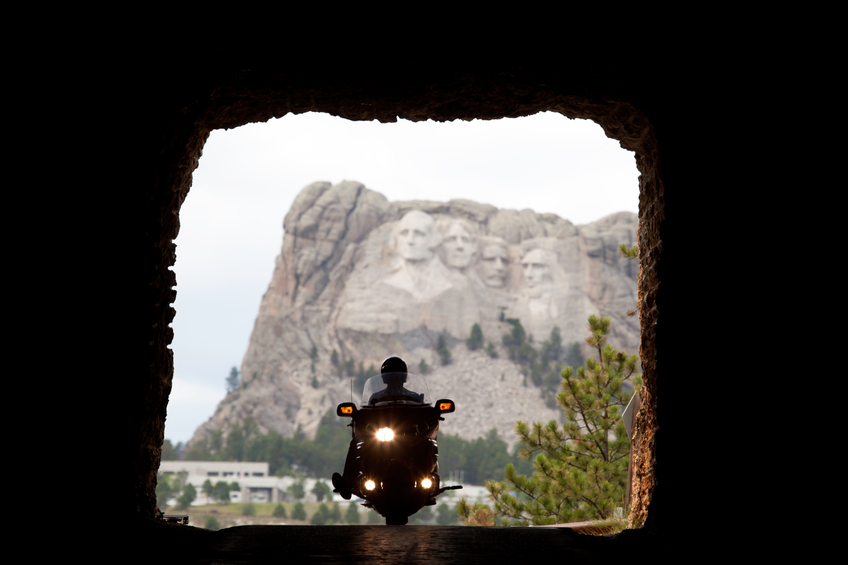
{"points": [[579, 468]]}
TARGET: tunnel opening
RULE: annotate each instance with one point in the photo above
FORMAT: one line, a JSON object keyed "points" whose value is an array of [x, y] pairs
{"points": [[556, 173]]}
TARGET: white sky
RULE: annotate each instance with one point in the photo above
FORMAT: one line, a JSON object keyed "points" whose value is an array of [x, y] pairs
{"points": [[232, 220]]}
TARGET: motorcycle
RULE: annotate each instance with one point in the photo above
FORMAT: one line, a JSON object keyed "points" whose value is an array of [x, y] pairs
{"points": [[392, 462]]}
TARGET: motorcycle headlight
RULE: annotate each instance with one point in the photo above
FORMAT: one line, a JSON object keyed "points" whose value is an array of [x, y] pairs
{"points": [[385, 434], [370, 485], [426, 483]]}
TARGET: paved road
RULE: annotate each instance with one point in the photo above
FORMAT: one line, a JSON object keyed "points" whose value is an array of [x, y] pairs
{"points": [[379, 544]]}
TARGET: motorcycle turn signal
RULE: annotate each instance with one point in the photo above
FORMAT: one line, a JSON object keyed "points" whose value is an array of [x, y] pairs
{"points": [[346, 410], [445, 406]]}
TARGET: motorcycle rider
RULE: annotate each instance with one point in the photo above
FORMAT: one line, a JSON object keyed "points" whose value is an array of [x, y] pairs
{"points": [[393, 371]]}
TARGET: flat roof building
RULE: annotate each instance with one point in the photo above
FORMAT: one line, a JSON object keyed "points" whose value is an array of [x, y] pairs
{"points": [[253, 479], [219, 469]]}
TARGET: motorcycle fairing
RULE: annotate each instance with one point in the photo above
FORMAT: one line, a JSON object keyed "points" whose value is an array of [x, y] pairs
{"points": [[397, 466]]}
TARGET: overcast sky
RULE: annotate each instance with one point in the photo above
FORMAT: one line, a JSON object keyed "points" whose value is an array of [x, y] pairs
{"points": [[232, 220]]}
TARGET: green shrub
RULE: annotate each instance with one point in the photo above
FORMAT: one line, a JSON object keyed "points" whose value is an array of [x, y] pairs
{"points": [[352, 514], [322, 516], [336, 514], [475, 341]]}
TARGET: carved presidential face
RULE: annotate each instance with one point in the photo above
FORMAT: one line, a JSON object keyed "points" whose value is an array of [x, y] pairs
{"points": [[416, 236], [459, 246], [536, 266], [494, 260]]}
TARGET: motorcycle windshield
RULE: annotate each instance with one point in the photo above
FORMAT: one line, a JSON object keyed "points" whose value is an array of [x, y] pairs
{"points": [[395, 388]]}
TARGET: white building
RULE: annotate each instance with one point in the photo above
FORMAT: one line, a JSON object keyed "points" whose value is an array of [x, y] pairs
{"points": [[253, 478], [220, 469]]}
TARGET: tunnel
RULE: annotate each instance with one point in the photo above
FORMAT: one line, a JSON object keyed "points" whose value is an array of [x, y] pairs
{"points": [[155, 118]]}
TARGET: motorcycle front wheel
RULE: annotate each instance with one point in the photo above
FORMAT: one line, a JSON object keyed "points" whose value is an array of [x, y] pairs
{"points": [[396, 520]]}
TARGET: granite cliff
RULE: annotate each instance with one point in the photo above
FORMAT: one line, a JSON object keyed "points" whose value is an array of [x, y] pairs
{"points": [[368, 278]]}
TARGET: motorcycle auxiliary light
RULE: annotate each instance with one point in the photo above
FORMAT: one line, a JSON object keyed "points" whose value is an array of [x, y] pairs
{"points": [[426, 483], [370, 485], [385, 434]]}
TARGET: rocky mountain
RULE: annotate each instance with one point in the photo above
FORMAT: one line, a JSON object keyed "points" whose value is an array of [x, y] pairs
{"points": [[368, 278]]}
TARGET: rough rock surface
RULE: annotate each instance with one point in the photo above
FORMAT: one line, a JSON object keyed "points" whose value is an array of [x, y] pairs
{"points": [[369, 278]]}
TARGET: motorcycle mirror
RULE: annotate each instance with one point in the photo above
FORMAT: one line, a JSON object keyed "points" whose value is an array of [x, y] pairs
{"points": [[445, 406], [346, 410]]}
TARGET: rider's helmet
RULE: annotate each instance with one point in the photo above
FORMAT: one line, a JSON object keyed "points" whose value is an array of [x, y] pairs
{"points": [[396, 369]]}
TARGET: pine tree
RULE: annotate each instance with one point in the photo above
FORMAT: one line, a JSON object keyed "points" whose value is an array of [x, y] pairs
{"points": [[321, 516], [169, 452], [475, 341], [336, 513], [352, 514], [474, 514], [443, 351], [581, 468], [299, 512], [233, 380], [187, 497], [444, 515], [629, 253], [221, 492], [164, 491], [515, 339], [322, 491], [424, 515], [552, 348], [296, 490]]}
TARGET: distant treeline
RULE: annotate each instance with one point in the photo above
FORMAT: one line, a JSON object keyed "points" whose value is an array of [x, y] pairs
{"points": [[473, 461]]}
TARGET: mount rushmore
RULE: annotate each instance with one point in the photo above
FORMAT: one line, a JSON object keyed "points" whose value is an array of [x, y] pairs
{"points": [[360, 278]]}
